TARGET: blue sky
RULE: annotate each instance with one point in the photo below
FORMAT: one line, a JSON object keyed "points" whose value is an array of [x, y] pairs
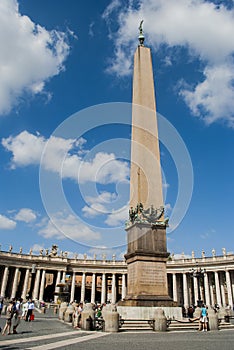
{"points": [[63, 67]]}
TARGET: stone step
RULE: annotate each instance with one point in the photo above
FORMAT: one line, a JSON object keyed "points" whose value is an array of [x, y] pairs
{"points": [[182, 326], [174, 325], [135, 324], [225, 325]]}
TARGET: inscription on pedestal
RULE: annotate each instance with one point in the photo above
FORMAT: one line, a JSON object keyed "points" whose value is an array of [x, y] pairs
{"points": [[152, 276], [146, 277]]}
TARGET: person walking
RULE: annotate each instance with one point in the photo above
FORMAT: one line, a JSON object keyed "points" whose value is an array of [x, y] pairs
{"points": [[9, 315], [17, 315], [24, 310]]}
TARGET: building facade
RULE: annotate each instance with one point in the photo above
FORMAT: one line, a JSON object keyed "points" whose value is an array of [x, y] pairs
{"points": [[190, 280]]}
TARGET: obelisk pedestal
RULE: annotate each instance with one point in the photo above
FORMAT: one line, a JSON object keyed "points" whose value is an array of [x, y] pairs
{"points": [[146, 260]]}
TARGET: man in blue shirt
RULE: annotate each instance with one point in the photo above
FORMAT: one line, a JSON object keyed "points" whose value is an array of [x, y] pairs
{"points": [[204, 318]]}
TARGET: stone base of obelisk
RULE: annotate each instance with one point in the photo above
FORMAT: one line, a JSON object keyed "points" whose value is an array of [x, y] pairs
{"points": [[148, 312], [146, 262]]}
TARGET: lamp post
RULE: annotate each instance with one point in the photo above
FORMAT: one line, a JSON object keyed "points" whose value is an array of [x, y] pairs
{"points": [[198, 273]]}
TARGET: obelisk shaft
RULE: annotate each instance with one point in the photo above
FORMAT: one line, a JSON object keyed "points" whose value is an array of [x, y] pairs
{"points": [[146, 179]]}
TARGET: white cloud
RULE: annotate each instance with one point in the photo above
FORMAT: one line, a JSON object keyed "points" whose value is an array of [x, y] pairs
{"points": [[58, 157], [102, 204], [26, 215], [202, 27], [30, 55], [37, 247], [91, 32], [167, 61], [117, 217], [67, 227], [215, 93], [103, 168], [113, 6], [25, 147], [98, 205], [6, 223], [167, 208]]}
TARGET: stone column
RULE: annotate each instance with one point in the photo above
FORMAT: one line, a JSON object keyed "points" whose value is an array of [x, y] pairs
{"points": [[82, 295], [25, 287], [103, 295], [113, 289], [232, 280], [4, 281], [73, 286], [212, 295], [57, 289], [42, 286], [207, 292], [195, 285], [123, 286], [64, 276], [174, 287], [223, 290], [15, 283], [229, 289], [190, 294], [93, 289], [185, 291], [217, 288], [36, 285]]}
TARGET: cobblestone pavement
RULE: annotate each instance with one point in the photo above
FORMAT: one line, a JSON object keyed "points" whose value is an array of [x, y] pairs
{"points": [[47, 332]]}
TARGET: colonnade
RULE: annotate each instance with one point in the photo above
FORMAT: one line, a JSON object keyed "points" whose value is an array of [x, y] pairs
{"points": [[213, 287], [80, 285], [23, 275]]}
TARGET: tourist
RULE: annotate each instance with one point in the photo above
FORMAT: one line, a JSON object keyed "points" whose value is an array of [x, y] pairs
{"points": [[80, 309], [190, 311], [75, 316], [204, 318], [24, 310], [9, 315], [17, 315], [29, 314]]}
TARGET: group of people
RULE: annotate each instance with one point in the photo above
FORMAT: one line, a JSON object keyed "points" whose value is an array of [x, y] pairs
{"points": [[76, 317], [15, 311], [203, 318]]}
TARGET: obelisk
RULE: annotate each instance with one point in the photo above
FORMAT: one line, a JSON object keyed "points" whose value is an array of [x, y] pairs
{"points": [[146, 229]]}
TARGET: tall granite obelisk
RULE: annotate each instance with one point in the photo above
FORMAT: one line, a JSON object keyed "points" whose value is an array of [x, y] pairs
{"points": [[146, 229]]}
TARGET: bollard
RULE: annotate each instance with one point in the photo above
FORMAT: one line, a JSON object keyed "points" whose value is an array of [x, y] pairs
{"points": [[222, 314], [160, 321], [111, 321], [87, 317], [62, 309], [68, 313], [43, 310], [111, 318], [213, 320]]}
